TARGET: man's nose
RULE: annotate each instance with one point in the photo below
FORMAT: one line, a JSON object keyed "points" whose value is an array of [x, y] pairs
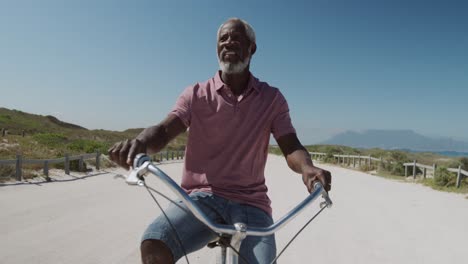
{"points": [[231, 42]]}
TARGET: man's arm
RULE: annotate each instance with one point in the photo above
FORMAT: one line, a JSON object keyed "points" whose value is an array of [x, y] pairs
{"points": [[299, 160], [150, 140]]}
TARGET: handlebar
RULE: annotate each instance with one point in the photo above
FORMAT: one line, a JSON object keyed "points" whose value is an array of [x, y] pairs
{"points": [[142, 165]]}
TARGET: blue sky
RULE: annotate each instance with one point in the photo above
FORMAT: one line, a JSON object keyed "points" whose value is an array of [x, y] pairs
{"points": [[342, 65]]}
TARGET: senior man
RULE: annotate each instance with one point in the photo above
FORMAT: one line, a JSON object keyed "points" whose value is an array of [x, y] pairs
{"points": [[230, 117]]}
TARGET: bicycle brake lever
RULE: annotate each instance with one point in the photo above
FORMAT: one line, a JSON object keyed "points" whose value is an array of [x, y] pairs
{"points": [[135, 177], [328, 202], [140, 167]]}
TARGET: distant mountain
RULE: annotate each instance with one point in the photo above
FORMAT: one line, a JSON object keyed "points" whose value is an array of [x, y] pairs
{"points": [[396, 139]]}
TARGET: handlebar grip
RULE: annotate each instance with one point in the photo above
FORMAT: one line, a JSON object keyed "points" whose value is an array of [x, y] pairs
{"points": [[140, 159], [317, 184]]}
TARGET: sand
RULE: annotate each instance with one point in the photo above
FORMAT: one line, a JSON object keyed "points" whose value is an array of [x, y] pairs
{"points": [[99, 219]]}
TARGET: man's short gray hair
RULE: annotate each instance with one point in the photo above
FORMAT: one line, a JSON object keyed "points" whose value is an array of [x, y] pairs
{"points": [[248, 28]]}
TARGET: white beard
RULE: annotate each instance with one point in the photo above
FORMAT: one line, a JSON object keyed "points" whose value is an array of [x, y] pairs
{"points": [[231, 68]]}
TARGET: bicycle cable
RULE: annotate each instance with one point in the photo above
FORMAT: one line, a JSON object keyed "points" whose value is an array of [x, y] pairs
{"points": [[167, 218], [169, 199], [294, 237]]}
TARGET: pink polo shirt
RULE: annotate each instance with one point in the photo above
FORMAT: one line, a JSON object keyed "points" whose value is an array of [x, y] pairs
{"points": [[228, 138]]}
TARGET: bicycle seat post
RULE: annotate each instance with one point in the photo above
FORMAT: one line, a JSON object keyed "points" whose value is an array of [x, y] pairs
{"points": [[236, 241]]}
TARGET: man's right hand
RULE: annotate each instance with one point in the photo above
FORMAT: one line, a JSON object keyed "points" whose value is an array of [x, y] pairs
{"points": [[124, 152], [151, 139]]}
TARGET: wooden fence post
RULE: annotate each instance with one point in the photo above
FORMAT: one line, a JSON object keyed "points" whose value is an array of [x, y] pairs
{"points": [[67, 164], [459, 176], [406, 171], [98, 160], [46, 170], [19, 165], [167, 155], [434, 167], [354, 162], [424, 173], [370, 159], [80, 164], [414, 169]]}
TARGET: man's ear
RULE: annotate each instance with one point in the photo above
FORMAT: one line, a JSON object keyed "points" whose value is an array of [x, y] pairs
{"points": [[253, 48]]}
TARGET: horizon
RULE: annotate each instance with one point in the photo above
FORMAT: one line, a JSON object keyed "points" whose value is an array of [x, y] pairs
{"points": [[342, 66]]}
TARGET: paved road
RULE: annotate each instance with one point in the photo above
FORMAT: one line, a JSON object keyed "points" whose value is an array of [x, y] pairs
{"points": [[99, 219]]}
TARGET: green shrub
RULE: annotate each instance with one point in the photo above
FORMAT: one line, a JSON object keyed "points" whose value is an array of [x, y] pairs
{"points": [[393, 163], [50, 139], [74, 166], [398, 156], [5, 118], [444, 178], [329, 158], [366, 167], [464, 163], [104, 163], [87, 146], [7, 171], [398, 169], [395, 168]]}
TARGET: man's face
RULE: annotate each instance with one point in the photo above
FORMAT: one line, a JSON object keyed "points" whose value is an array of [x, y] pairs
{"points": [[234, 48]]}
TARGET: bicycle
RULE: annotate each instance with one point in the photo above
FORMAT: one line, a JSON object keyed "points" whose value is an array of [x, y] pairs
{"points": [[230, 236]]}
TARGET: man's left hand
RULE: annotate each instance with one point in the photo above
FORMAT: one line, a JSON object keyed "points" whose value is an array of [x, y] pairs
{"points": [[311, 174]]}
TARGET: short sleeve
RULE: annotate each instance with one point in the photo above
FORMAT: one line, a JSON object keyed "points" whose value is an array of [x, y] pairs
{"points": [[281, 124], [183, 106]]}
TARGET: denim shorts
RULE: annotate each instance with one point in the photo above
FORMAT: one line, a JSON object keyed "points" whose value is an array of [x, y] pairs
{"points": [[194, 235]]}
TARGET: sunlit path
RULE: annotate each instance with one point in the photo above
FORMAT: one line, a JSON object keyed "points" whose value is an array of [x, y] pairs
{"points": [[100, 219]]}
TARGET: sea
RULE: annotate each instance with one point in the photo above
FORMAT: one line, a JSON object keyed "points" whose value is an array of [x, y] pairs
{"points": [[444, 153], [452, 153]]}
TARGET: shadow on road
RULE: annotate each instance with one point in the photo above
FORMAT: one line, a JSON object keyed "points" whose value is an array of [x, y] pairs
{"points": [[70, 177]]}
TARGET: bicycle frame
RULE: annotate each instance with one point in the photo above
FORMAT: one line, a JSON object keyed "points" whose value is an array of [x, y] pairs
{"points": [[238, 231]]}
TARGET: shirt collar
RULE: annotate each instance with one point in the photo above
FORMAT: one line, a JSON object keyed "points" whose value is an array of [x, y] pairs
{"points": [[253, 82]]}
